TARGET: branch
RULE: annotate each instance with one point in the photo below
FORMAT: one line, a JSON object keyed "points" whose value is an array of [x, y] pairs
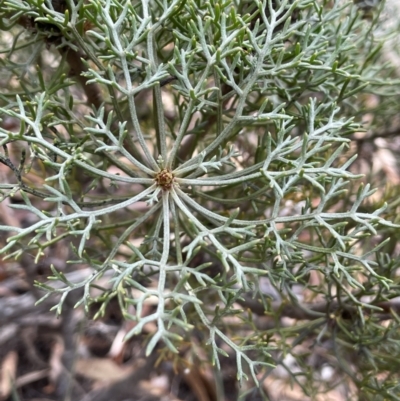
{"points": [[312, 311]]}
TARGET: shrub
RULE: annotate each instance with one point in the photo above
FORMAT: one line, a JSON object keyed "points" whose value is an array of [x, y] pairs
{"points": [[198, 152]]}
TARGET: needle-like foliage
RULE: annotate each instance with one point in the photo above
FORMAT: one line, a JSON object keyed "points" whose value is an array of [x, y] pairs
{"points": [[196, 154]]}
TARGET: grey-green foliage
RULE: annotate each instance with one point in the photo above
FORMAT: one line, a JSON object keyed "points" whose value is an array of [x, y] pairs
{"points": [[218, 156]]}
